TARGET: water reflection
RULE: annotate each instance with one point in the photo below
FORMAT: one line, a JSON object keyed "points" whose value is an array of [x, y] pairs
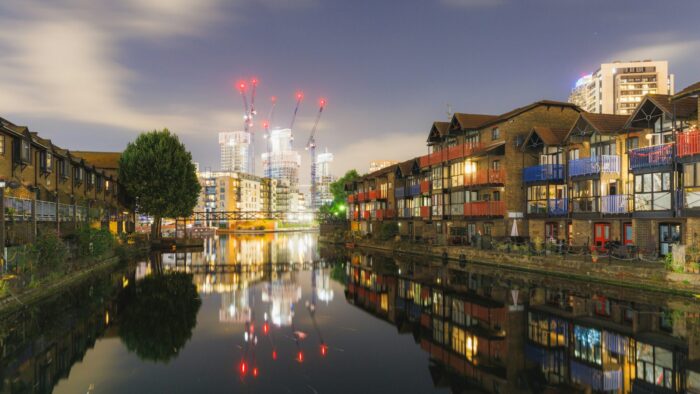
{"points": [[510, 332]]}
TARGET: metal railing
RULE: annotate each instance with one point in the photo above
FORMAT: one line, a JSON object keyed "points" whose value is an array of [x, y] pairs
{"points": [[544, 172], [651, 156], [609, 164], [616, 204]]}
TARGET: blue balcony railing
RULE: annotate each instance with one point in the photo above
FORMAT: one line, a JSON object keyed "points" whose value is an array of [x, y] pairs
{"points": [[544, 172], [595, 165], [399, 192], [615, 204], [413, 190], [558, 206], [651, 156]]}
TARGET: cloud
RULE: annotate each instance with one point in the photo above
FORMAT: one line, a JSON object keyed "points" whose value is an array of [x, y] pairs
{"points": [[61, 60], [675, 51], [472, 3]]}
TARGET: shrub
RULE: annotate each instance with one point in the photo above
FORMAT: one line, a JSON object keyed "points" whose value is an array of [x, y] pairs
{"points": [[94, 242], [49, 252], [388, 231]]}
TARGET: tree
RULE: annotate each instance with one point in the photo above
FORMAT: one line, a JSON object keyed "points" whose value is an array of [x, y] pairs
{"points": [[340, 196], [158, 172], [159, 316]]}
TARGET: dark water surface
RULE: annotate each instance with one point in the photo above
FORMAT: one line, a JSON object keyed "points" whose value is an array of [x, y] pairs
{"points": [[278, 314]]}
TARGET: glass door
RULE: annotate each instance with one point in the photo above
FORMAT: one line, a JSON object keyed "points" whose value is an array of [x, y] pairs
{"points": [[601, 235], [669, 233]]}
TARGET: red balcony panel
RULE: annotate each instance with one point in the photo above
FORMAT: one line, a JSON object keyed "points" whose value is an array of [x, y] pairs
{"points": [[688, 143], [366, 215], [425, 212], [351, 198], [425, 187], [484, 208], [379, 214], [361, 196], [485, 177], [424, 161], [355, 215], [372, 194]]}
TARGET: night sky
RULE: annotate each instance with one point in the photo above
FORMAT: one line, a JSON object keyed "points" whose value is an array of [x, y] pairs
{"points": [[90, 74]]}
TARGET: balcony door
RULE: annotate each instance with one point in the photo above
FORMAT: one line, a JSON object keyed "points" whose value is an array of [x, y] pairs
{"points": [[669, 234], [627, 234], [601, 233]]}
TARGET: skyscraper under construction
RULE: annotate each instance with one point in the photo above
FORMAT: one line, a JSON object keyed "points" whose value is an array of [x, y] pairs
{"points": [[236, 151]]}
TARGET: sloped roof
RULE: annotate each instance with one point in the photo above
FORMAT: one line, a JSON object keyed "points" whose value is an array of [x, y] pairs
{"points": [[684, 107], [407, 166], [518, 111], [548, 135], [688, 91], [438, 130], [106, 160], [471, 121], [605, 123]]}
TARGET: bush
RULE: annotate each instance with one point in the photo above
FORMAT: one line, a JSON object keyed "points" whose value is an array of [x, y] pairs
{"points": [[388, 231], [94, 242], [49, 252]]}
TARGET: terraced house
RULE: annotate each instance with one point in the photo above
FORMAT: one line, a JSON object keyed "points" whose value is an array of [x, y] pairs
{"points": [[49, 187], [549, 171]]}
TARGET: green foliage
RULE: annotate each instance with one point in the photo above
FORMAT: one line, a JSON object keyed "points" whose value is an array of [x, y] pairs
{"points": [[48, 252], [157, 170], [340, 196], [94, 242], [388, 231], [160, 316]]}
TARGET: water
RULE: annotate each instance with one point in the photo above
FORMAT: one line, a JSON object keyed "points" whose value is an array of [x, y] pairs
{"points": [[327, 320]]}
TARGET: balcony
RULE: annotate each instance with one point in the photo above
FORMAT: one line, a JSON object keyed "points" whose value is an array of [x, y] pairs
{"points": [[558, 206], [413, 190], [607, 164], [585, 204], [544, 172], [484, 208], [425, 212], [485, 177], [615, 204], [373, 195], [451, 153], [399, 192], [651, 156], [425, 187], [351, 198], [688, 143], [361, 196], [381, 214], [355, 215], [366, 215]]}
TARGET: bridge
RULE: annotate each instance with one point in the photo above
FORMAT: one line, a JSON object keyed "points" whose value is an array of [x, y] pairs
{"points": [[213, 218]]}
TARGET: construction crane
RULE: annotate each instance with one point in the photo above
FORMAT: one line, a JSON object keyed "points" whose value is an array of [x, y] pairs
{"points": [[300, 97], [311, 147], [249, 115]]}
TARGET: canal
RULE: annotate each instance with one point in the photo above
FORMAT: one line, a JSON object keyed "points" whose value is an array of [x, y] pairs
{"points": [[281, 313]]}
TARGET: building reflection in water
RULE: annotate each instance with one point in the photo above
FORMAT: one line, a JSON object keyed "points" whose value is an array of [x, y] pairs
{"points": [[232, 266], [512, 333]]}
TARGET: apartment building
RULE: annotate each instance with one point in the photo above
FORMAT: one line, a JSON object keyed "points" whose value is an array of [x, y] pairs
{"points": [[617, 87], [551, 172], [49, 187]]}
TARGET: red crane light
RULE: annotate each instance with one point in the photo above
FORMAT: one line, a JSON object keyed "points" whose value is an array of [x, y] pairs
{"points": [[322, 102], [265, 125], [254, 81], [300, 356], [300, 95], [273, 99], [243, 367], [241, 86], [324, 349], [274, 354]]}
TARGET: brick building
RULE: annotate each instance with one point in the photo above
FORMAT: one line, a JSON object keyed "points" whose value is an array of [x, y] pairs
{"points": [[548, 171]]}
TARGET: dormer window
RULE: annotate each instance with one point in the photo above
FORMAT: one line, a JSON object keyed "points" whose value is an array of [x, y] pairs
{"points": [[78, 175], [63, 168], [98, 182], [22, 151], [46, 161]]}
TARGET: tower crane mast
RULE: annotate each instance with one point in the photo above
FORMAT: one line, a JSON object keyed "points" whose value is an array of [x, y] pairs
{"points": [[311, 147]]}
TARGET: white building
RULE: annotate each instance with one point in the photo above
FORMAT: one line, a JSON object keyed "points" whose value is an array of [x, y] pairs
{"points": [[324, 178], [376, 165], [617, 88], [236, 151], [282, 162]]}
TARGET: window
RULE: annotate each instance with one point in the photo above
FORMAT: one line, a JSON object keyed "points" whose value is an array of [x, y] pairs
{"points": [[488, 228], [45, 161], [587, 345], [25, 152], [2, 144], [495, 133], [652, 192], [78, 175], [63, 168], [574, 154], [496, 165], [632, 143], [601, 306], [655, 365]]}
